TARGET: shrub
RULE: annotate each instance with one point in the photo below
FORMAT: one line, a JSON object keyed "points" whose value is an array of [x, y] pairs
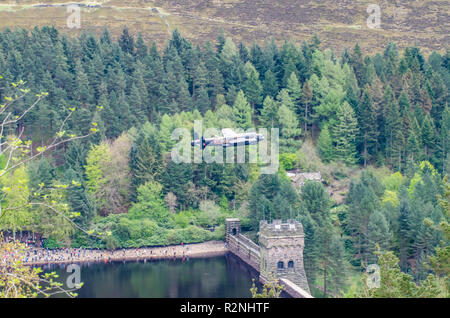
{"points": [[183, 219], [209, 214], [287, 160], [194, 234], [394, 181], [51, 243], [219, 232]]}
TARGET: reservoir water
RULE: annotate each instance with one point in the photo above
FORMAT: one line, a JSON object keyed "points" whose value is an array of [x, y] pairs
{"points": [[215, 277]]}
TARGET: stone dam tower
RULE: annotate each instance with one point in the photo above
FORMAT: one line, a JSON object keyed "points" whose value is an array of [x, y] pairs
{"points": [[279, 253]]}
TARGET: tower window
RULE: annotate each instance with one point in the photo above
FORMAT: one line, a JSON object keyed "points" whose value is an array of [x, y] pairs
{"points": [[280, 265], [291, 264]]}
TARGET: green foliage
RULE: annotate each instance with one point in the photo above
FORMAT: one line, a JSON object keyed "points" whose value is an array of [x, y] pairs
{"points": [[15, 211], [289, 133], [242, 111], [97, 158], [287, 160], [390, 197], [394, 181], [324, 252], [151, 205], [325, 145], [396, 284], [345, 135], [52, 243], [269, 113], [271, 289], [271, 198], [385, 110]]}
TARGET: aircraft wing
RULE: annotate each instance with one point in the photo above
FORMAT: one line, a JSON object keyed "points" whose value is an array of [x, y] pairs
{"points": [[228, 133]]}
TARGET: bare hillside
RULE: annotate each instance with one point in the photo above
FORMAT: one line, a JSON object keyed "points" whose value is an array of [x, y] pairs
{"points": [[339, 23]]}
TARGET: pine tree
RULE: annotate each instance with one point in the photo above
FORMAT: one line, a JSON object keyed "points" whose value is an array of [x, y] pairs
{"points": [[337, 267], [403, 104], [397, 150], [228, 50], [269, 113], [325, 145], [363, 199], [202, 101], [127, 118], [176, 179], [367, 127], [289, 131], [215, 85], [165, 132], [295, 92], [283, 98], [200, 79], [79, 199], [83, 92], [243, 52], [306, 104], [41, 174], [327, 251], [357, 63], [261, 198], [139, 82], [392, 125], [445, 138], [344, 133], [242, 111], [184, 99], [126, 42], [270, 84], [75, 156], [378, 233], [252, 86], [137, 104], [108, 114], [412, 147], [145, 161], [141, 48], [428, 136], [404, 233]]}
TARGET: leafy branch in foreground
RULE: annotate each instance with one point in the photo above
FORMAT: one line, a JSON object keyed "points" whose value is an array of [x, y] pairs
{"points": [[14, 144], [396, 284], [271, 289], [19, 281]]}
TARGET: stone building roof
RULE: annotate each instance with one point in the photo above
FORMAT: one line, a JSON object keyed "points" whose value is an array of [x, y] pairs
{"points": [[277, 228], [298, 179]]}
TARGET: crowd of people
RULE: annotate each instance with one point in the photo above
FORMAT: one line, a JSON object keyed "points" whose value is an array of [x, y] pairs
{"points": [[28, 239], [36, 254]]}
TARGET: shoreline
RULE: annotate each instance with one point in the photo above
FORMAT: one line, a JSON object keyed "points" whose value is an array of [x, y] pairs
{"points": [[191, 250]]}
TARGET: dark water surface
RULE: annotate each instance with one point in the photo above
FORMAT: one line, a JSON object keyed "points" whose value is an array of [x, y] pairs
{"points": [[215, 277]]}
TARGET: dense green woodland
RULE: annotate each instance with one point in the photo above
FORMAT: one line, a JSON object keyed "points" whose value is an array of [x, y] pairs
{"points": [[121, 188]]}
